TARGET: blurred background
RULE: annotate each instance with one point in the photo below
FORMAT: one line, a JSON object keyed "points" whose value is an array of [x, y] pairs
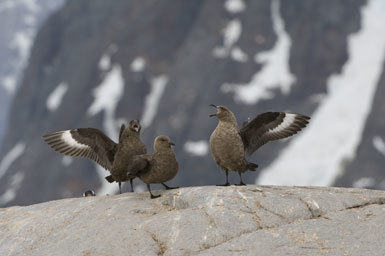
{"points": [[95, 63]]}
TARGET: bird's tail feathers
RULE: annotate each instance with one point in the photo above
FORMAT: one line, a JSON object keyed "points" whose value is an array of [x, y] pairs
{"points": [[109, 178], [131, 176], [251, 166]]}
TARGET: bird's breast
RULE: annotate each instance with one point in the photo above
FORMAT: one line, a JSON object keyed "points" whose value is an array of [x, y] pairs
{"points": [[227, 148], [164, 167]]}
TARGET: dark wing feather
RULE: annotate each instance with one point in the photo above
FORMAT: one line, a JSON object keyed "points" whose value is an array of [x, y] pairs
{"points": [[90, 143], [139, 164], [270, 126], [121, 132]]}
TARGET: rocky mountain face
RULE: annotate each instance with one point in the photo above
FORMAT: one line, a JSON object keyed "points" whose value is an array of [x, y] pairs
{"points": [[19, 21], [202, 221], [98, 64]]}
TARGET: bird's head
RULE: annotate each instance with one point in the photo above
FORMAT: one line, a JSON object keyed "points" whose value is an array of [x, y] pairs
{"points": [[135, 126], [162, 142], [223, 113]]}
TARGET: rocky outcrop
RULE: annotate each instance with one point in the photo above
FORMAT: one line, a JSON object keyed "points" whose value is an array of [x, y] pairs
{"points": [[251, 220]]}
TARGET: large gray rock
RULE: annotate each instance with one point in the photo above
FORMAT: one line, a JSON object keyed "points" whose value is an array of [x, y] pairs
{"points": [[250, 220]]}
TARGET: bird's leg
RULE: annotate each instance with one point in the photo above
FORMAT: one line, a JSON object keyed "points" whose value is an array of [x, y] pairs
{"points": [[241, 181], [149, 190], [167, 187], [227, 179], [132, 187], [120, 187]]}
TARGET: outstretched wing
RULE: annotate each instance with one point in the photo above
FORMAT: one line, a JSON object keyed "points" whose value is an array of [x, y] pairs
{"points": [[270, 126], [139, 165], [84, 142]]}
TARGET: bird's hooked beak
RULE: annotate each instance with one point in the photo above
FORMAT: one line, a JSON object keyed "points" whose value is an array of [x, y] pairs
{"points": [[212, 105], [136, 126], [171, 143]]}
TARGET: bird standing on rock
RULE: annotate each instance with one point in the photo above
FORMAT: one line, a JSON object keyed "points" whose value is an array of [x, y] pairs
{"points": [[230, 145], [93, 144], [159, 167]]}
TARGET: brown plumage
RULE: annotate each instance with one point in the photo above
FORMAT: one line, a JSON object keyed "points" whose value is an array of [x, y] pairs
{"points": [[159, 167], [230, 145], [93, 144]]}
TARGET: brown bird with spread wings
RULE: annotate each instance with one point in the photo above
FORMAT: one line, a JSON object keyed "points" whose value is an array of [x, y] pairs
{"points": [[230, 145], [93, 144]]}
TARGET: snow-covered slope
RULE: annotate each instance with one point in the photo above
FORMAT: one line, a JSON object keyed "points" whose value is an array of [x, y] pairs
{"points": [[19, 22], [337, 125], [275, 72]]}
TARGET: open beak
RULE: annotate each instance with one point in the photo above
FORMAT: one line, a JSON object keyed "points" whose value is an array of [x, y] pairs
{"points": [[136, 128], [212, 105], [171, 143]]}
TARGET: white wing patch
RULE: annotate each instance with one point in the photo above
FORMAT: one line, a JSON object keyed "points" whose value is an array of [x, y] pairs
{"points": [[286, 123], [67, 138]]}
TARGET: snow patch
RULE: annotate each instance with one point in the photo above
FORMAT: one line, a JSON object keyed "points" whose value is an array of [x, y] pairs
{"points": [[107, 96], [22, 42], [196, 148], [105, 62], [235, 6], [138, 64], [10, 193], [9, 84], [10, 157], [55, 98], [231, 34], [275, 74], [316, 156], [238, 55], [158, 84], [379, 144], [364, 182]]}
